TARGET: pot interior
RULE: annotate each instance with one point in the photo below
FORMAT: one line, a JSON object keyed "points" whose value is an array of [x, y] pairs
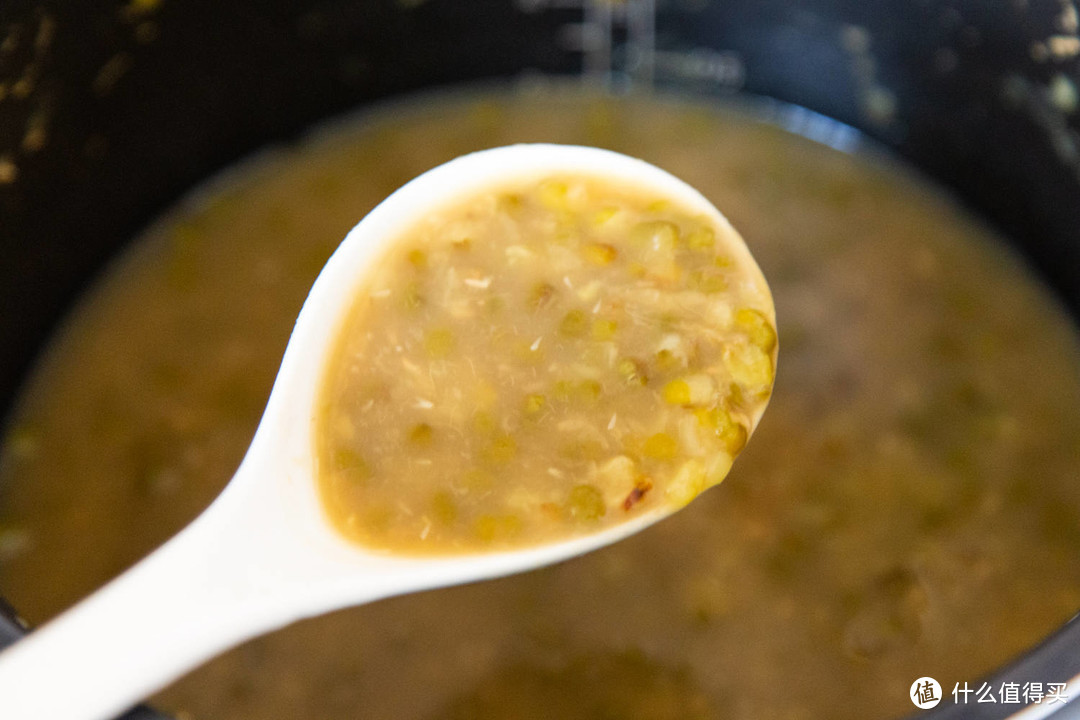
{"points": [[109, 127]]}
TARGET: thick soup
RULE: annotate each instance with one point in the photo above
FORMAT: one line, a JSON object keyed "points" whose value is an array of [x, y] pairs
{"points": [[908, 506], [541, 360]]}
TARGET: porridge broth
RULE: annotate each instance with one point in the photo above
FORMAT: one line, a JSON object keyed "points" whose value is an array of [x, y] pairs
{"points": [[908, 506], [540, 360]]}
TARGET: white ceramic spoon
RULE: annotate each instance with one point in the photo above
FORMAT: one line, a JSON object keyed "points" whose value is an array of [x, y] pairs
{"points": [[263, 554]]}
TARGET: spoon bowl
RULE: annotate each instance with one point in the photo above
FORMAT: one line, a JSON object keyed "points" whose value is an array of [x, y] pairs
{"points": [[264, 554]]}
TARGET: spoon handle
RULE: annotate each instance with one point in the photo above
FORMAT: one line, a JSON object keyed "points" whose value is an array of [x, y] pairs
{"points": [[13, 628], [187, 601]]}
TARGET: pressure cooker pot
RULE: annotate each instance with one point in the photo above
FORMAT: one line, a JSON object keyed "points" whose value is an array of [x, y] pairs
{"points": [[915, 123]]}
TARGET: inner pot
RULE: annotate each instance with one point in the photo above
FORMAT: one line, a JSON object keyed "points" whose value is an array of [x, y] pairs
{"points": [[109, 113]]}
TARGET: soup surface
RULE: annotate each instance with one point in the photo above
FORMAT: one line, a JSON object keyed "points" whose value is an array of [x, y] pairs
{"points": [[540, 360], [908, 506]]}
